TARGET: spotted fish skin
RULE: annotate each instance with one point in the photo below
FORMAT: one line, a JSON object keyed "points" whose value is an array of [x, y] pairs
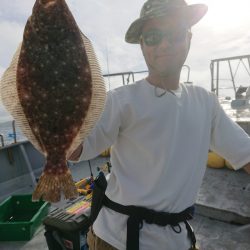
{"points": [[54, 85]]}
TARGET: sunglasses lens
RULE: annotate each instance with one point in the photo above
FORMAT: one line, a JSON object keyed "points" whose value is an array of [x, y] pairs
{"points": [[152, 37]]}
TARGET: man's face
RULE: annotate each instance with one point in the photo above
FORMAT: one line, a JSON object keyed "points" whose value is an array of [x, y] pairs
{"points": [[165, 44]]}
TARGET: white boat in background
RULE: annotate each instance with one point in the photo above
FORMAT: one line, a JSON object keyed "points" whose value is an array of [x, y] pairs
{"points": [[238, 106]]}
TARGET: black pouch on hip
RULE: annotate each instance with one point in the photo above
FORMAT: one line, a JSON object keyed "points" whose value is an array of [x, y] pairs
{"points": [[100, 185]]}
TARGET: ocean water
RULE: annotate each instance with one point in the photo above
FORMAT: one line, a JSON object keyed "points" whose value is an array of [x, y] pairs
{"points": [[7, 132]]}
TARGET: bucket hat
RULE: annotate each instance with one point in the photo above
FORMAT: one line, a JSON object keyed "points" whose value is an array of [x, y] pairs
{"points": [[157, 8]]}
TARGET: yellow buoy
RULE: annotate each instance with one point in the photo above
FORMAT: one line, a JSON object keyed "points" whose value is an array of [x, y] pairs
{"points": [[215, 161]]}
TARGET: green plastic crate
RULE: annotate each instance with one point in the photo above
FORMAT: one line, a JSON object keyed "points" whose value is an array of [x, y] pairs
{"points": [[20, 217]]}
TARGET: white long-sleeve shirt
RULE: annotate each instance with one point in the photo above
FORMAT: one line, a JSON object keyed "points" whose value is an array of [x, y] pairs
{"points": [[159, 153]]}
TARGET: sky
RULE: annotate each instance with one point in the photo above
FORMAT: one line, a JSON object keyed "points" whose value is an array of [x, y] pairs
{"points": [[223, 32]]}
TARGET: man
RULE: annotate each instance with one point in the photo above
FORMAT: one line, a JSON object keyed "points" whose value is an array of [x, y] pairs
{"points": [[160, 132]]}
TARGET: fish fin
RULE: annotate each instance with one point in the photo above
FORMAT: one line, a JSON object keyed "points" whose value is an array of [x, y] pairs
{"points": [[50, 186]]}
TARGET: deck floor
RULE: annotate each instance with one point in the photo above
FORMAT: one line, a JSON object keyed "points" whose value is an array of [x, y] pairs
{"points": [[211, 234]]}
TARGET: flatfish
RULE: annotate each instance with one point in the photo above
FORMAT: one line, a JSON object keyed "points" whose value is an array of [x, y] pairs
{"points": [[59, 92]]}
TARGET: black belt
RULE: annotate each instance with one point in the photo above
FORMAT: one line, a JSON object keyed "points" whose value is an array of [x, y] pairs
{"points": [[139, 214]]}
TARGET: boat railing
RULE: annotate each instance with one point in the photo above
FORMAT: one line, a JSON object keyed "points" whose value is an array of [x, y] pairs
{"points": [[2, 140], [215, 70], [130, 76], [11, 135], [188, 74], [14, 131]]}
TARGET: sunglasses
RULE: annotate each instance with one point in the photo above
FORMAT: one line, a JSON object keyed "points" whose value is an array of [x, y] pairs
{"points": [[154, 37]]}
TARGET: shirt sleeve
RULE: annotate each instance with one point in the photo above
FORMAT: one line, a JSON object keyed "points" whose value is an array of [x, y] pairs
{"points": [[228, 139], [105, 132]]}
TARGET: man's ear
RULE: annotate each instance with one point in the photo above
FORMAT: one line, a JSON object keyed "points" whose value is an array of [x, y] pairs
{"points": [[141, 42], [189, 37], [188, 41], [141, 45]]}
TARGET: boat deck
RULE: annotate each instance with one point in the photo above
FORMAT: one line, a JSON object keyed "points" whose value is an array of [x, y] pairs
{"points": [[222, 220], [210, 234]]}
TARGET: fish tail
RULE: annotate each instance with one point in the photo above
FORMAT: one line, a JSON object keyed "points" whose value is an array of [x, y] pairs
{"points": [[50, 187]]}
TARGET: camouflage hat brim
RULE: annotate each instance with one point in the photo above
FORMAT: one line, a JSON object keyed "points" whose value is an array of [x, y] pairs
{"points": [[193, 14]]}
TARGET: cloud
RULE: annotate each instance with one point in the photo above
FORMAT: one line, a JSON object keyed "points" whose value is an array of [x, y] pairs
{"points": [[105, 23], [16, 10], [2, 69], [1, 73], [11, 35]]}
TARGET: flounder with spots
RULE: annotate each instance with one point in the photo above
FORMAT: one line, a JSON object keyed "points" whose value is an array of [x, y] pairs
{"points": [[60, 92]]}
